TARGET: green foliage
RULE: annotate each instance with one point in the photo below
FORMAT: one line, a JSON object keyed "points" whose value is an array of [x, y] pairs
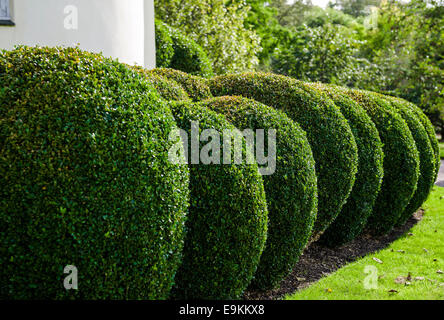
{"points": [[187, 55], [428, 126], [194, 86], [164, 45], [168, 89], [359, 206], [74, 192], [291, 190], [331, 139], [328, 54], [227, 219], [426, 178], [401, 161], [218, 27]]}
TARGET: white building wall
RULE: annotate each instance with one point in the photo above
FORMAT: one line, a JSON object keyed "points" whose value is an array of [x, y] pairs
{"points": [[114, 27]]}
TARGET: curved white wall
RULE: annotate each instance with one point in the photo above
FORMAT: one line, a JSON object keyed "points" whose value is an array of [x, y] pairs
{"points": [[117, 28]]}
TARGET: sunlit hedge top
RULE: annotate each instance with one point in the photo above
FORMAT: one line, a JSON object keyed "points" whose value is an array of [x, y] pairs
{"points": [[194, 86], [401, 161], [291, 190], [426, 157], [331, 139], [359, 206], [85, 179], [167, 88]]}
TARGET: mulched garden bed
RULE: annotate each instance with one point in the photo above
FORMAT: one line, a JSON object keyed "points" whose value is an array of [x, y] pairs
{"points": [[317, 261]]}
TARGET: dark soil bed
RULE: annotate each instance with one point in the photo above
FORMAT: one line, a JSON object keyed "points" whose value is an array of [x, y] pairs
{"points": [[317, 261]]}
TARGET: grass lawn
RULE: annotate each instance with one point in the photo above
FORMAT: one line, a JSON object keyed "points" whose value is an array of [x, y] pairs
{"points": [[420, 254], [441, 150]]}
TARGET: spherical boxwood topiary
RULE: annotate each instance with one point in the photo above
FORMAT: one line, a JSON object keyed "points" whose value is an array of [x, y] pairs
{"points": [[401, 161], [168, 89], [194, 86], [331, 139], [426, 158], [164, 45], [428, 126], [227, 220], [187, 55], [290, 187], [85, 179], [359, 206]]}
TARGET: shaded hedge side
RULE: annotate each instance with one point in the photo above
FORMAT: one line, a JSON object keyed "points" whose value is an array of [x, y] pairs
{"points": [[401, 161], [426, 178], [186, 56], [359, 206], [291, 190], [227, 219], [331, 139]]}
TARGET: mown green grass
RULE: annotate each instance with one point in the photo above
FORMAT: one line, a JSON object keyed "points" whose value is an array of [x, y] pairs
{"points": [[441, 150], [421, 254]]}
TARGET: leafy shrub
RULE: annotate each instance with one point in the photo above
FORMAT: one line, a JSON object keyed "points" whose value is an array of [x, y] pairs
{"points": [[194, 86], [168, 89], [428, 126], [187, 55], [85, 179], [426, 158], [401, 161], [359, 205], [291, 190], [164, 45], [227, 219], [331, 139]]}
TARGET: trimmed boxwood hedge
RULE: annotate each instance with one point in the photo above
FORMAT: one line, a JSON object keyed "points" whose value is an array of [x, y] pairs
{"points": [[164, 45], [331, 139], [359, 206], [85, 179], [187, 55], [401, 161], [168, 89], [428, 126], [227, 219], [426, 158], [291, 190], [194, 86]]}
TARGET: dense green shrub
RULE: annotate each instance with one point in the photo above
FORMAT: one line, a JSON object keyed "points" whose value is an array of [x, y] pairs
{"points": [[187, 55], [401, 161], [426, 157], [194, 86], [291, 189], [227, 219], [331, 139], [428, 126], [164, 45], [85, 179], [168, 89], [359, 205]]}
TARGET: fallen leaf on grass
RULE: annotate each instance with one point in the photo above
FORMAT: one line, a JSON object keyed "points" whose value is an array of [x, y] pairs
{"points": [[400, 280], [439, 271], [400, 251], [377, 260], [419, 278]]}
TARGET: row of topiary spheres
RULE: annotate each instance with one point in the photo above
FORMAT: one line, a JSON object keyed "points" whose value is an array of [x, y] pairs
{"points": [[87, 177]]}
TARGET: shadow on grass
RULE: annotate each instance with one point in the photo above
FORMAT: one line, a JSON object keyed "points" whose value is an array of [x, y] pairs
{"points": [[318, 261]]}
